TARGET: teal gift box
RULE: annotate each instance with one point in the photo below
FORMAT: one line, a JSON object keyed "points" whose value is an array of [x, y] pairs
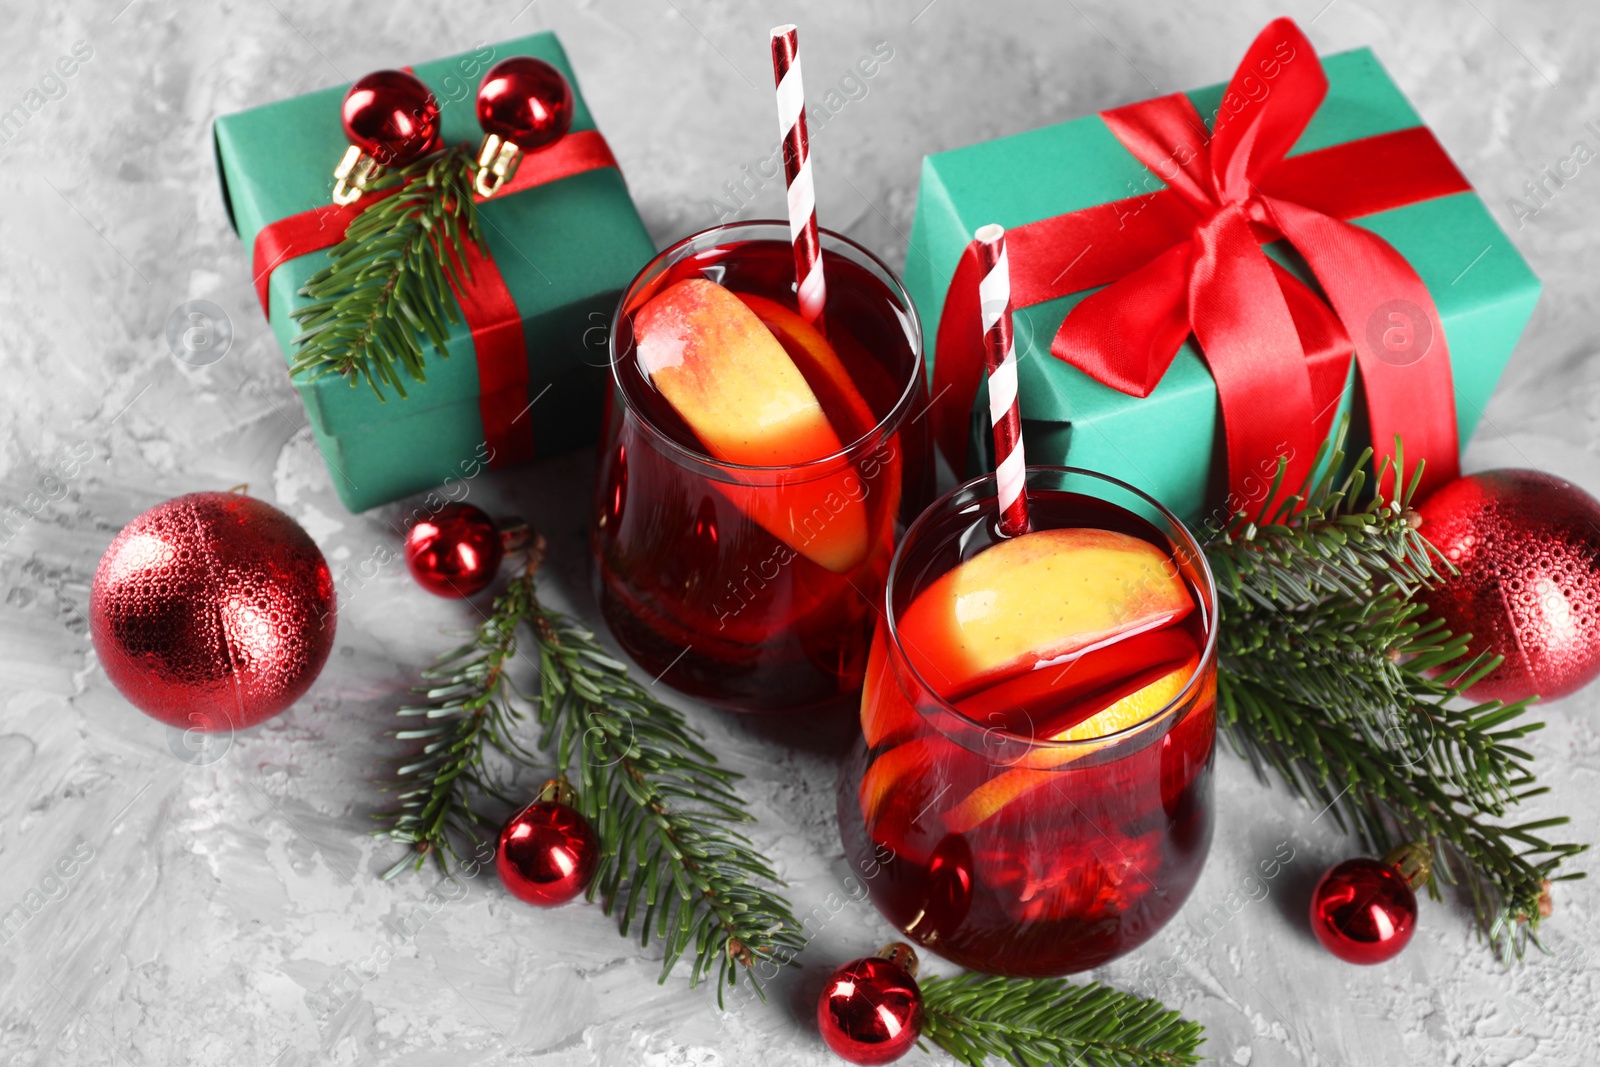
{"points": [[565, 249], [1169, 443]]}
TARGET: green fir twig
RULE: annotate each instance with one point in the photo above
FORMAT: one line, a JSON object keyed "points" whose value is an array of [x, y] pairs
{"points": [[665, 810], [673, 866], [388, 284], [1041, 1022], [463, 710], [1334, 677]]}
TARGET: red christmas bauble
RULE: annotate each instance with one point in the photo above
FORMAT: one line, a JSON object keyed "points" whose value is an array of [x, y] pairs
{"points": [[870, 1010], [1527, 546], [547, 853], [1363, 911], [212, 611], [525, 101], [392, 117], [455, 552]]}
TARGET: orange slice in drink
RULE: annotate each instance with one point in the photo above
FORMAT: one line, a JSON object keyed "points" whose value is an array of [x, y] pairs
{"points": [[901, 791], [985, 801], [1042, 703]]}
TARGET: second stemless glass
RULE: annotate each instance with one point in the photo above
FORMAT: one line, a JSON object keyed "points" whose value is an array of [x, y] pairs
{"points": [[691, 578], [1009, 854]]}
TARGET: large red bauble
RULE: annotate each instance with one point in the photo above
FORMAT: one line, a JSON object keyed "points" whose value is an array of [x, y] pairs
{"points": [[1363, 911], [1527, 546], [525, 101], [455, 552], [547, 853], [392, 117], [870, 1011], [212, 611]]}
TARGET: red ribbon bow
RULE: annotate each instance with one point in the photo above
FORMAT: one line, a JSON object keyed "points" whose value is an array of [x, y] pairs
{"points": [[1187, 258], [486, 305]]}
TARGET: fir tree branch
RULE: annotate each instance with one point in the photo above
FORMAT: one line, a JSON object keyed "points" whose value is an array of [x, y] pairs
{"points": [[665, 811], [1503, 868], [388, 284], [1332, 676], [465, 710], [673, 865], [1041, 1022]]}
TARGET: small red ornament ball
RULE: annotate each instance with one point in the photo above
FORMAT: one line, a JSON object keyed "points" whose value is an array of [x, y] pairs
{"points": [[392, 117], [547, 853], [1527, 546], [455, 552], [525, 101], [1363, 911], [212, 611], [870, 1011]]}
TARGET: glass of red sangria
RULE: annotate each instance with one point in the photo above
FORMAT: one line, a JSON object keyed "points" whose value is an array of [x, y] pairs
{"points": [[1032, 790], [756, 470]]}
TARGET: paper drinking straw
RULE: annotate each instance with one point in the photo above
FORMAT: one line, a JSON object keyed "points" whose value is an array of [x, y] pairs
{"points": [[812, 291], [994, 304]]}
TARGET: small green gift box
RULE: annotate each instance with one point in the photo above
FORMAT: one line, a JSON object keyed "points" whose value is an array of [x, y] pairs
{"points": [[1170, 442], [563, 251]]}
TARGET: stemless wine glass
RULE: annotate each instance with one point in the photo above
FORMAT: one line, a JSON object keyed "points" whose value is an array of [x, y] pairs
{"points": [[756, 587], [992, 844]]}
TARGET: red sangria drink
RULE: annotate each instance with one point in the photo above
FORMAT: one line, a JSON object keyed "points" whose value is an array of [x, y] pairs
{"points": [[1032, 790], [756, 470]]}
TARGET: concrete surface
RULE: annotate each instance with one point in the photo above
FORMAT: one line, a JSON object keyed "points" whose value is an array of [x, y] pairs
{"points": [[217, 897]]}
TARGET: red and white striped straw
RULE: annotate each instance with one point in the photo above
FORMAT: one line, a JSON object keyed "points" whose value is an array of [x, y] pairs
{"points": [[994, 304], [812, 291]]}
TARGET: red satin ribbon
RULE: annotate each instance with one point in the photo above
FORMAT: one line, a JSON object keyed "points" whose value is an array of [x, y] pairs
{"points": [[486, 304], [1187, 259]]}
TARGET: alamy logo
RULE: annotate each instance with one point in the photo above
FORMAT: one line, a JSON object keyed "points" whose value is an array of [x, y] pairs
{"points": [[53, 887], [52, 85]]}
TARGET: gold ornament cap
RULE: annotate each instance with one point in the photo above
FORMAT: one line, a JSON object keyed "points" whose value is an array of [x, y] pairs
{"points": [[559, 790], [1414, 861], [355, 172], [901, 955], [497, 164]]}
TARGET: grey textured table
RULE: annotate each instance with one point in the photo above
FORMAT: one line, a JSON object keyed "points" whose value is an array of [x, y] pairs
{"points": [[215, 904]]}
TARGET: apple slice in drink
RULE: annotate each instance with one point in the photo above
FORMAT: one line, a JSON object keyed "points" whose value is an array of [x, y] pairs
{"points": [[803, 340], [1095, 607], [887, 716], [730, 379], [1033, 600], [879, 468]]}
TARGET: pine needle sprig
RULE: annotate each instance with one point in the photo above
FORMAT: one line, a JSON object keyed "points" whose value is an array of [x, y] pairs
{"points": [[1322, 542], [673, 863], [673, 866], [1504, 869], [1363, 664], [388, 284], [463, 710], [1041, 1022], [1332, 676]]}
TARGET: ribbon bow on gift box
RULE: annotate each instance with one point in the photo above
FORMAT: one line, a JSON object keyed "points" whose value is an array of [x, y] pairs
{"points": [[1187, 258]]}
